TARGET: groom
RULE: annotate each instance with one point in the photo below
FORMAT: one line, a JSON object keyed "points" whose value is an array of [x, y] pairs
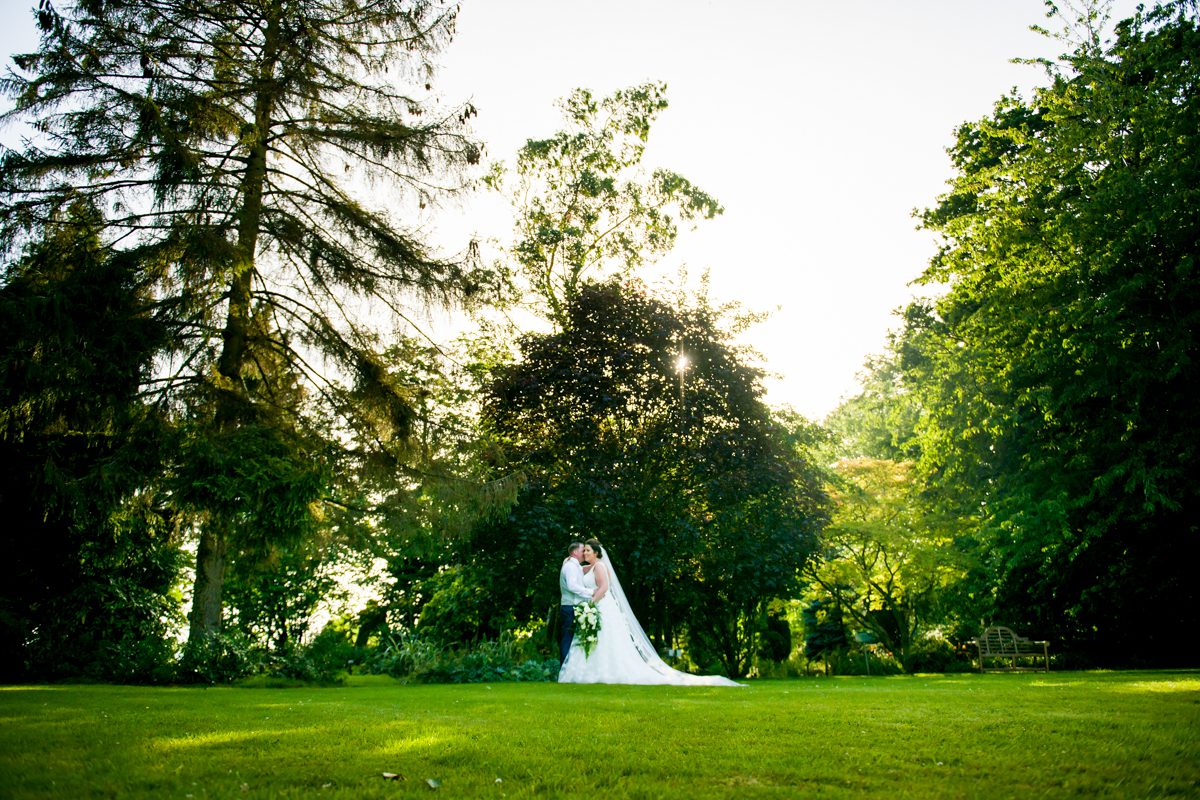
{"points": [[570, 583]]}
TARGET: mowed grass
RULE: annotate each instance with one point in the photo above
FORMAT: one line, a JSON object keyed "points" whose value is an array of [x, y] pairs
{"points": [[1134, 734]]}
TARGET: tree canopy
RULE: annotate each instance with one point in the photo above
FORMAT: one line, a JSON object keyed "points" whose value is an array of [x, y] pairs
{"points": [[1057, 370], [90, 552], [584, 208]]}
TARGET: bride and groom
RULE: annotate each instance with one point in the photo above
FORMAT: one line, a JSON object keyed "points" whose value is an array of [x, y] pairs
{"points": [[621, 653]]}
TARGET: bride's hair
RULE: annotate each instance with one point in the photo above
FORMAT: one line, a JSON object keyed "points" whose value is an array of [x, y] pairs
{"points": [[595, 545]]}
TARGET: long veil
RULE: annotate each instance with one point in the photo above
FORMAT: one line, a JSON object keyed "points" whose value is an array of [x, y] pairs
{"points": [[643, 645]]}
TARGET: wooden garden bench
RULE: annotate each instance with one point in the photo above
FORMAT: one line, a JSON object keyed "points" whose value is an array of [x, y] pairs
{"points": [[1001, 646]]}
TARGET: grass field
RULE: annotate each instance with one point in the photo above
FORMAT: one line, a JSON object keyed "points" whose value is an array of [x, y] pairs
{"points": [[1134, 734]]}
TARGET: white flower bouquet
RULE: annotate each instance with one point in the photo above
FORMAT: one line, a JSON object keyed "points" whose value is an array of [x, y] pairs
{"points": [[587, 626]]}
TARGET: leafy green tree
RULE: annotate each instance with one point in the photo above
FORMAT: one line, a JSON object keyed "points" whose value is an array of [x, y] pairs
{"points": [[702, 498], [585, 209], [1058, 370], [453, 481], [233, 146]]}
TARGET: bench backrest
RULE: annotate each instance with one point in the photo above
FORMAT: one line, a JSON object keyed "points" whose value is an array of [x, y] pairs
{"points": [[999, 640]]}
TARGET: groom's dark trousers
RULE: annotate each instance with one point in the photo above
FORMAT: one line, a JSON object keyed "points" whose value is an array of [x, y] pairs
{"points": [[568, 631]]}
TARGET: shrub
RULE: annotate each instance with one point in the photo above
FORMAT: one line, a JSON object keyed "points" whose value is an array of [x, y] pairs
{"points": [[326, 660], [775, 643], [402, 655], [109, 617], [220, 658], [411, 657], [939, 655], [457, 606], [492, 662]]}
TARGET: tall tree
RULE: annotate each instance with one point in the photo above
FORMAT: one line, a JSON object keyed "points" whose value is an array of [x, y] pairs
{"points": [[705, 502], [1058, 371], [234, 147]]}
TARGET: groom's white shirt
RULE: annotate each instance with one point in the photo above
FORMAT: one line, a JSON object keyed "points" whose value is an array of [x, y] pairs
{"points": [[570, 582]]}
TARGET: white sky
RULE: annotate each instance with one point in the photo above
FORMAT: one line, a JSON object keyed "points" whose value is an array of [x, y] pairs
{"points": [[819, 126]]}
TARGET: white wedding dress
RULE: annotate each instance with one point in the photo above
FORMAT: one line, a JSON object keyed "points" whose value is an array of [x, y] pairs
{"points": [[622, 652]]}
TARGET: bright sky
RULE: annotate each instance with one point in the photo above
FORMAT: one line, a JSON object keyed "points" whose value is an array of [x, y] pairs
{"points": [[819, 126]]}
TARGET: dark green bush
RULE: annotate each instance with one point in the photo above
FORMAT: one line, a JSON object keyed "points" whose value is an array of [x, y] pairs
{"points": [[939, 655], [220, 658], [327, 659]]}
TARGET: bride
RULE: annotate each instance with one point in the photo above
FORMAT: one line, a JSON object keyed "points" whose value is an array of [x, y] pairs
{"points": [[622, 652]]}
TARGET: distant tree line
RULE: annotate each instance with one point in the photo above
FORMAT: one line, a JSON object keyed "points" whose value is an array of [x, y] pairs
{"points": [[215, 400]]}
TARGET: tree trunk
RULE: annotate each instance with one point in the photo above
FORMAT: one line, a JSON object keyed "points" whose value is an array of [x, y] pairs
{"points": [[211, 556], [205, 618]]}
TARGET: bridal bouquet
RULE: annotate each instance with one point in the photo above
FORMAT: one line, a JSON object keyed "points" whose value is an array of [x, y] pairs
{"points": [[587, 626]]}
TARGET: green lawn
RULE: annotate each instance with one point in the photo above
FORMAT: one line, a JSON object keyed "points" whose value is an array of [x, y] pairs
{"points": [[1134, 734]]}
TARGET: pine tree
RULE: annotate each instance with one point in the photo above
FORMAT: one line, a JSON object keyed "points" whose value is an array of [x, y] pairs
{"points": [[256, 158]]}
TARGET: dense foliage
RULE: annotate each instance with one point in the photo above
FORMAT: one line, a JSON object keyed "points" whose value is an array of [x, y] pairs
{"points": [[91, 557], [706, 506], [208, 351], [227, 147], [1057, 373], [890, 565]]}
